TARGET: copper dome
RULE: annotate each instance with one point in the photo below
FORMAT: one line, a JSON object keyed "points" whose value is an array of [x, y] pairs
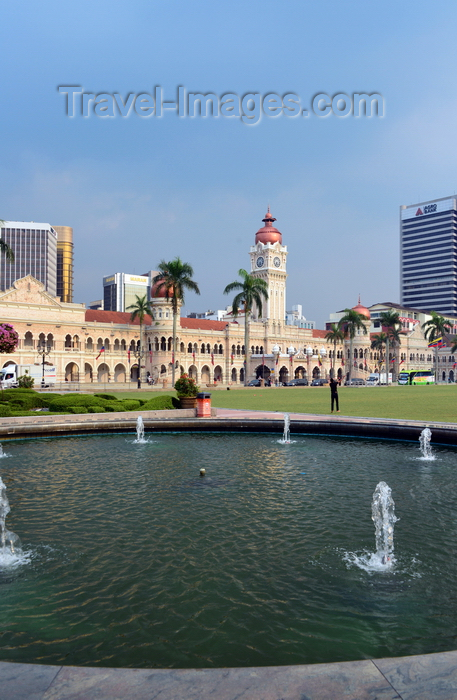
{"points": [[268, 233], [361, 309], [159, 291]]}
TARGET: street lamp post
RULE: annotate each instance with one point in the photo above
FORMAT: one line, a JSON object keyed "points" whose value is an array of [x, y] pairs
{"points": [[309, 353], [323, 354], [291, 352], [44, 351], [139, 354], [276, 350]]}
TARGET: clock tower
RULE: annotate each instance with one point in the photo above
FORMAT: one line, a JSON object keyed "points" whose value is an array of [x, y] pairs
{"points": [[268, 261]]}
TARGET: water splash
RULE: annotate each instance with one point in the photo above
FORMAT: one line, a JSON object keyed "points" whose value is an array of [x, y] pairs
{"points": [[286, 435], [140, 439], [384, 518], [425, 447], [10, 544]]}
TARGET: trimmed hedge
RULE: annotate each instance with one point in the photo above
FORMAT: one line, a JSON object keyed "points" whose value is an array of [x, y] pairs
{"points": [[107, 397], [5, 410], [96, 409], [161, 403], [77, 409], [131, 404], [25, 402]]}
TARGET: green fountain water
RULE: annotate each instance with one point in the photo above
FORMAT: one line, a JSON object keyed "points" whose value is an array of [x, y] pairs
{"points": [[133, 559]]}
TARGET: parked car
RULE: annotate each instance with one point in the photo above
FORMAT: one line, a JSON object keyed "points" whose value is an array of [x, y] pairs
{"points": [[319, 382], [355, 382], [256, 382], [297, 382]]}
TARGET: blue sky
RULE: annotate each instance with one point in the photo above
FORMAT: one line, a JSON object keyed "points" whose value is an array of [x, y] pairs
{"points": [[139, 190]]}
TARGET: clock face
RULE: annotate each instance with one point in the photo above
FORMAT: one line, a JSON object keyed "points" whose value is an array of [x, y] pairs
{"points": [[260, 262], [277, 262]]}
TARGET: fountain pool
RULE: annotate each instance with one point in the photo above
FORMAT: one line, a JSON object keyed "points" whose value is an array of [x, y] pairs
{"points": [[135, 560]]}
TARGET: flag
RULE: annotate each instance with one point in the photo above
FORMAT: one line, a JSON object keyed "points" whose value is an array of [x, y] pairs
{"points": [[355, 363], [342, 361], [232, 356], [102, 349], [401, 362], [320, 363], [393, 359], [128, 355], [212, 358], [437, 343]]}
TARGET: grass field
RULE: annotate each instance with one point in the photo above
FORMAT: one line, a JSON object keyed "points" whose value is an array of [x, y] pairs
{"points": [[424, 403]]}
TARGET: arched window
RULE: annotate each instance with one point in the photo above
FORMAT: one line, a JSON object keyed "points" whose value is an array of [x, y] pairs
{"points": [[182, 347], [252, 349], [89, 344], [189, 348], [68, 342], [156, 344], [202, 350], [116, 345], [238, 350], [170, 344], [163, 344], [99, 344], [50, 340], [123, 344]]}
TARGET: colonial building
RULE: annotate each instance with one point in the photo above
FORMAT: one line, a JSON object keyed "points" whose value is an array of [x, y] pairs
{"points": [[98, 346]]}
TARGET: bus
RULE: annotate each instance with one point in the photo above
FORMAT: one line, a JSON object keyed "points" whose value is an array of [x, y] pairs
{"points": [[416, 376]]}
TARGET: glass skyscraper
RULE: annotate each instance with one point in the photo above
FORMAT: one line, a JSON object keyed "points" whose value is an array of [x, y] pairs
{"points": [[35, 253], [428, 255]]}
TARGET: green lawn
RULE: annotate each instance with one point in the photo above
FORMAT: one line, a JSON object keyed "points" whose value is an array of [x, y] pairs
{"points": [[424, 403]]}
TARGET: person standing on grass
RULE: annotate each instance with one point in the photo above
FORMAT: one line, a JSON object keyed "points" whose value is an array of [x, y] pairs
{"points": [[334, 394]]}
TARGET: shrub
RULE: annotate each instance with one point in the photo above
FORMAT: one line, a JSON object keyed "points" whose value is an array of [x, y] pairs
{"points": [[5, 410], [9, 338], [77, 409], [26, 401], [25, 381], [131, 404], [96, 409], [107, 397], [161, 403], [186, 386], [114, 406]]}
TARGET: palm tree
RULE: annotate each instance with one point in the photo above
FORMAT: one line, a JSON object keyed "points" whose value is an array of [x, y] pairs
{"points": [[391, 321], [434, 329], [4, 247], [139, 309], [350, 323], [175, 278], [378, 344], [335, 335], [252, 289]]}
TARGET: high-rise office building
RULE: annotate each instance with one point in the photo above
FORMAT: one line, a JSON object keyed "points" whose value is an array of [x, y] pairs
{"points": [[35, 253], [120, 290], [64, 263], [428, 255]]}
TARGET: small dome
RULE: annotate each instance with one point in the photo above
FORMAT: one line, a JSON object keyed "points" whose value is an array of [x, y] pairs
{"points": [[158, 292], [268, 233], [361, 309]]}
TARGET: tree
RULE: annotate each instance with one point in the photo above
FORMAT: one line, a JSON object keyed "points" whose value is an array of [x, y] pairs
{"points": [[4, 247], [434, 330], [378, 344], [335, 336], [351, 323], [174, 279], [139, 309], [391, 321], [252, 291]]}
